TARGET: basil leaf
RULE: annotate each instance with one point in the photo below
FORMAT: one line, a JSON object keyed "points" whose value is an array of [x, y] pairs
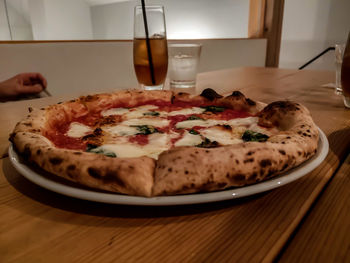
{"points": [[145, 129], [151, 113], [193, 132], [95, 149], [194, 117], [110, 154], [252, 136], [213, 109], [89, 147], [208, 144]]}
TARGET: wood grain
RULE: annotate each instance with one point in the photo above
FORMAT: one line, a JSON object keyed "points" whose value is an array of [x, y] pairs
{"points": [[325, 234], [265, 21], [273, 31], [37, 225], [256, 18]]}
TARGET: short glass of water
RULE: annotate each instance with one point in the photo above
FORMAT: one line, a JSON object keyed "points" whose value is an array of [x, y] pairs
{"points": [[183, 66]]}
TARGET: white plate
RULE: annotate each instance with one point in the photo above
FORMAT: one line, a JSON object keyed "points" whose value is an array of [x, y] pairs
{"points": [[44, 179]]}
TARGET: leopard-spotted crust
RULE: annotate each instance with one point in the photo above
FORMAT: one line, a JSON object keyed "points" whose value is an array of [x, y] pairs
{"points": [[181, 169], [133, 176], [189, 169]]}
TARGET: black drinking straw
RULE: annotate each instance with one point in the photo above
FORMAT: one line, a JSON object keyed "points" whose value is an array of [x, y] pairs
{"points": [[148, 44]]}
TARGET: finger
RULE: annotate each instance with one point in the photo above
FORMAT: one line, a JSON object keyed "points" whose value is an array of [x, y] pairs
{"points": [[38, 78], [30, 89], [27, 75], [32, 78], [43, 80]]}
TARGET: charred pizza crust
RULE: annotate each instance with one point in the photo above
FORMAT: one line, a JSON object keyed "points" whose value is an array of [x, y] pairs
{"points": [[180, 170], [189, 169]]}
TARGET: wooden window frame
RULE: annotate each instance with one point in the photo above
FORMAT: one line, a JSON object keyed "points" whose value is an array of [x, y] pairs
{"points": [[265, 21]]}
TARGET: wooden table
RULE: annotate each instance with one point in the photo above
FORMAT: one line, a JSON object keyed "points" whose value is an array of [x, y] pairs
{"points": [[308, 219]]}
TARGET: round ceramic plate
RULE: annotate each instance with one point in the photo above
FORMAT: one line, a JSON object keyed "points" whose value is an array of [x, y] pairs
{"points": [[56, 184]]}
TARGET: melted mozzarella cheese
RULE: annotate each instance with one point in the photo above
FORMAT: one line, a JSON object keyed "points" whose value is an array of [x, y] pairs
{"points": [[146, 107], [156, 122], [159, 140], [256, 128], [193, 110], [131, 113], [208, 123], [189, 139], [114, 111], [121, 130], [119, 143], [221, 135], [157, 143], [139, 112], [125, 150], [130, 150], [191, 123], [242, 121], [77, 130]]}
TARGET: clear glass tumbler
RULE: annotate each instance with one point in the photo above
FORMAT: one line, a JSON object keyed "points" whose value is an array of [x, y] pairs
{"points": [[183, 65], [339, 53], [150, 47], [345, 74]]}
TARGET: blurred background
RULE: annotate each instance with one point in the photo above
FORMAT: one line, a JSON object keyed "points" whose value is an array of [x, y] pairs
{"points": [[308, 26]]}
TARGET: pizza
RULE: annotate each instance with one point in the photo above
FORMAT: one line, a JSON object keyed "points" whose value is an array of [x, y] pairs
{"points": [[155, 143]]}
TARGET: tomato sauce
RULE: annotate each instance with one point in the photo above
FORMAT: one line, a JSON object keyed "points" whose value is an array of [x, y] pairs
{"points": [[162, 105], [181, 132], [229, 114], [58, 133], [88, 119], [175, 119], [198, 128], [60, 140], [139, 138]]}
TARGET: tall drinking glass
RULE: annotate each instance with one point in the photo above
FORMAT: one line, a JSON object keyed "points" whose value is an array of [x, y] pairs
{"points": [[150, 47], [339, 53], [345, 74]]}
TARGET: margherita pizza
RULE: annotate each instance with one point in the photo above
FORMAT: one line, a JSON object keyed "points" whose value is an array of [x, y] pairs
{"points": [[151, 143]]}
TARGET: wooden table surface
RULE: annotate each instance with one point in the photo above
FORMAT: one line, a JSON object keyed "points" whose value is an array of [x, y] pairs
{"points": [[306, 220]]}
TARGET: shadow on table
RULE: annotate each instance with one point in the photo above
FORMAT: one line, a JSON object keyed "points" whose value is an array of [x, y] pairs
{"points": [[339, 143], [62, 202]]}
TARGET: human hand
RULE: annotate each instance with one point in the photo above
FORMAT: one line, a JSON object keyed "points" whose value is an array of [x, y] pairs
{"points": [[22, 84]]}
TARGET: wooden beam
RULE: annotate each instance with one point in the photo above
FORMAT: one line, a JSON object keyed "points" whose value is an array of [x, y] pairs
{"points": [[273, 31], [265, 20], [256, 18]]}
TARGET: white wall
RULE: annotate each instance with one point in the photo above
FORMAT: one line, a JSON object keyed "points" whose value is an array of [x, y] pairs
{"points": [[185, 19], [4, 29], [75, 19], [38, 19], [86, 67], [311, 26], [63, 19], [21, 28]]}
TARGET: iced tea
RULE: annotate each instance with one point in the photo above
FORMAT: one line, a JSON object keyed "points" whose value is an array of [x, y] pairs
{"points": [[159, 50]]}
